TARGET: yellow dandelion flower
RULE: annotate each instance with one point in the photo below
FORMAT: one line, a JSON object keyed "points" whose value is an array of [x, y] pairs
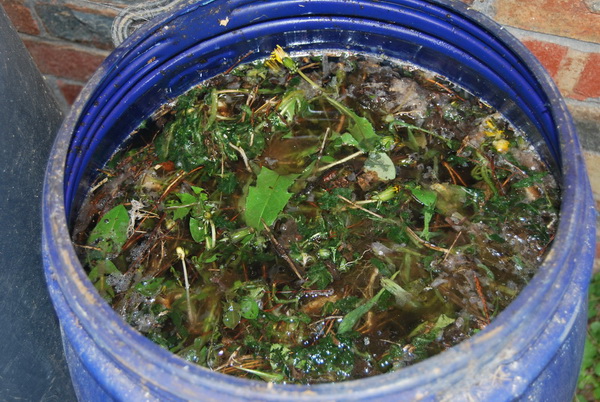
{"points": [[493, 130], [501, 146], [279, 54], [280, 57]]}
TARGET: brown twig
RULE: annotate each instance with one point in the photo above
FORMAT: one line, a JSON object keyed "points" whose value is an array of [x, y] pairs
{"points": [[453, 174], [282, 252], [238, 61], [425, 243]]}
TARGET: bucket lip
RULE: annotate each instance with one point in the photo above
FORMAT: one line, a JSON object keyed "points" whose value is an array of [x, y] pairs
{"points": [[71, 277]]}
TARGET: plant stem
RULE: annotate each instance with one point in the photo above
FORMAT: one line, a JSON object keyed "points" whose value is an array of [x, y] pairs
{"points": [[181, 255], [343, 160], [341, 197], [243, 155]]}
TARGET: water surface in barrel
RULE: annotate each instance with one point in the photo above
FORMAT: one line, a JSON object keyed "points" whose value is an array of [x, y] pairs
{"points": [[317, 219]]}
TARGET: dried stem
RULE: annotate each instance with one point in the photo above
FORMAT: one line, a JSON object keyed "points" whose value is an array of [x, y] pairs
{"points": [[243, 155], [282, 252], [343, 160], [355, 205]]}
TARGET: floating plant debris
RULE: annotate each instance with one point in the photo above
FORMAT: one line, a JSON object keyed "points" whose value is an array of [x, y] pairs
{"points": [[317, 219]]}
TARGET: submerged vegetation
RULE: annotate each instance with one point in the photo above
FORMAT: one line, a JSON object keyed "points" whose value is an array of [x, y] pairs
{"points": [[317, 219]]}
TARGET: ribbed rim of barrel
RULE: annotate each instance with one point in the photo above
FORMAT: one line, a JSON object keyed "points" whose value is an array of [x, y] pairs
{"points": [[516, 325]]}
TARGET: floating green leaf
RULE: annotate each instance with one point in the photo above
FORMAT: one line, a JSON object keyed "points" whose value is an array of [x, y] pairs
{"points": [[110, 233], [291, 104], [249, 308], [101, 270], [231, 315], [424, 196], [319, 276], [381, 164], [402, 296], [268, 198], [359, 127], [428, 198], [183, 207], [350, 320], [197, 230]]}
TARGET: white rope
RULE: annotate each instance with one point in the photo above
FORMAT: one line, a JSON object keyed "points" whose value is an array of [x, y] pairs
{"points": [[131, 18]]}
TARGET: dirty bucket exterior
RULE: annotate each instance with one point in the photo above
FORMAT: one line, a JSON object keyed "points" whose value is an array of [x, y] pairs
{"points": [[532, 350]]}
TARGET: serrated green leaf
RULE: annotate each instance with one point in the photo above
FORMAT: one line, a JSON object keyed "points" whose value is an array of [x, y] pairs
{"points": [[267, 199], [110, 233], [150, 287], [101, 269], [319, 275]]}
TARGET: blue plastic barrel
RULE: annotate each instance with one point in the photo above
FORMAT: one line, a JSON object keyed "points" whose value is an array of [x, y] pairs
{"points": [[533, 348]]}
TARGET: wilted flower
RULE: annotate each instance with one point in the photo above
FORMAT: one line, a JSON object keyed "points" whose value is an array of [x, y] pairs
{"points": [[281, 57]]}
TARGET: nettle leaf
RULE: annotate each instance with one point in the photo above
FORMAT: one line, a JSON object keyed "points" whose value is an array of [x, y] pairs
{"points": [[268, 198], [100, 271], [110, 233], [381, 164], [187, 203], [442, 322]]}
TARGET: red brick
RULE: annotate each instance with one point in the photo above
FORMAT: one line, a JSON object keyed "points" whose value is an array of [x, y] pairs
{"points": [[64, 61], [69, 91], [21, 16], [588, 85], [568, 18], [549, 54]]}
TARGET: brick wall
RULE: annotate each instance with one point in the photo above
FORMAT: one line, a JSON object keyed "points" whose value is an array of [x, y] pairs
{"points": [[68, 39]]}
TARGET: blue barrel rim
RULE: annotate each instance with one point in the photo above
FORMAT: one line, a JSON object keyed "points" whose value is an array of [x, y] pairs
{"points": [[55, 226]]}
